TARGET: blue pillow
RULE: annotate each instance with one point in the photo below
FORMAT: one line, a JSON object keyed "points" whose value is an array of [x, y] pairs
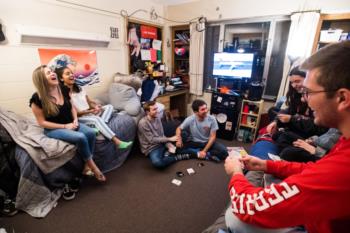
{"points": [[261, 149]]}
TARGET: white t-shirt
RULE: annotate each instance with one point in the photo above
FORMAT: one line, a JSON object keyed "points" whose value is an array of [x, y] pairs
{"points": [[79, 101]]}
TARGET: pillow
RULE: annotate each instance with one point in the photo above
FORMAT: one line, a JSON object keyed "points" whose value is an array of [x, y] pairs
{"points": [[124, 97], [133, 80]]}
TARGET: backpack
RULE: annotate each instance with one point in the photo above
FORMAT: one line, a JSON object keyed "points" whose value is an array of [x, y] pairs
{"points": [[9, 170]]}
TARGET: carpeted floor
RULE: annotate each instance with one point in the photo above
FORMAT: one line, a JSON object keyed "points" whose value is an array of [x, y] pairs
{"points": [[138, 199]]}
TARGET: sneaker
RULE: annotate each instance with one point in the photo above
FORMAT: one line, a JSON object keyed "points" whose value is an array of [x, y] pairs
{"points": [[68, 194], [75, 184], [214, 158], [9, 208]]}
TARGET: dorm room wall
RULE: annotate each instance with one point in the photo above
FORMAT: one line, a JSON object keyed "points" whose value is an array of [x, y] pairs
{"points": [[245, 9], [238, 9], [17, 61]]}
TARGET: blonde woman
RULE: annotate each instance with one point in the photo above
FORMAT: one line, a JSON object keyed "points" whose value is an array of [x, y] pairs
{"points": [[54, 112], [88, 110]]}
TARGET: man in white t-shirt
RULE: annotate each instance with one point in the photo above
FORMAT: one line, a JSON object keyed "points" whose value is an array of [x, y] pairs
{"points": [[201, 128]]}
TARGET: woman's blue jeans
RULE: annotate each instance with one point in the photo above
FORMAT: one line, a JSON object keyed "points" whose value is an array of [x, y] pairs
{"points": [[84, 138]]}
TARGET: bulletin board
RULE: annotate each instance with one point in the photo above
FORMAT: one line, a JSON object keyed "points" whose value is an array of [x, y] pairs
{"points": [[145, 45]]}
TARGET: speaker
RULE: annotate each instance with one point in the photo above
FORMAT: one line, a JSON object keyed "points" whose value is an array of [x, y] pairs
{"points": [[255, 91], [225, 108]]}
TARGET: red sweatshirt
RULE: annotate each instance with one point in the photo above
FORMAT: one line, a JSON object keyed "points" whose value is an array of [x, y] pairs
{"points": [[316, 195]]}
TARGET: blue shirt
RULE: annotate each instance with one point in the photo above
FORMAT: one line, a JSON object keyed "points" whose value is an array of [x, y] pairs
{"points": [[200, 130]]}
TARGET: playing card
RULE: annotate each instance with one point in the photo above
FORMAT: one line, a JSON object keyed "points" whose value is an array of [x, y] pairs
{"points": [[274, 157], [176, 182], [190, 171]]}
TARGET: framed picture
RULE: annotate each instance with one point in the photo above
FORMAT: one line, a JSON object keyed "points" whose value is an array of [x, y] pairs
{"points": [[83, 63]]}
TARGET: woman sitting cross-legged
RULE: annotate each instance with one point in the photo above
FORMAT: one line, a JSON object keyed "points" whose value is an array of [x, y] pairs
{"points": [[53, 111], [89, 112]]}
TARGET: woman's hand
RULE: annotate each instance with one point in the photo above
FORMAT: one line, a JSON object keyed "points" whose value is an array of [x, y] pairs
{"points": [[76, 123], [71, 126], [272, 127], [304, 145], [284, 118], [97, 109]]}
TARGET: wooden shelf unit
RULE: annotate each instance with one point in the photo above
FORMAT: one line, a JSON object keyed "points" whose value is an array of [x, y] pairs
{"points": [[180, 40], [249, 119], [341, 21]]}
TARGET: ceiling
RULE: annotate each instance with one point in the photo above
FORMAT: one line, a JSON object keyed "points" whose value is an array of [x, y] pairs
{"points": [[172, 2]]}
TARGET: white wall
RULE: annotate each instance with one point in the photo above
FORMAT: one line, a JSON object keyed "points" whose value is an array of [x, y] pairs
{"points": [[17, 61], [220, 10], [235, 9]]}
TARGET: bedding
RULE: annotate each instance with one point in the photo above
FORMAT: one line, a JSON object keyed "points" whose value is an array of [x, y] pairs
{"points": [[38, 192]]}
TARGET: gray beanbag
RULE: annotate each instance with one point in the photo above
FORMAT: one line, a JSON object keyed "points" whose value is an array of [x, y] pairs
{"points": [[124, 97], [133, 80]]}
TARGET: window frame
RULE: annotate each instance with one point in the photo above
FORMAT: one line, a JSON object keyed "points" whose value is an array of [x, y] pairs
{"points": [[271, 37]]}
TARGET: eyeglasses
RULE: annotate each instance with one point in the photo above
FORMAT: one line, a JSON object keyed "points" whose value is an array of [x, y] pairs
{"points": [[306, 92]]}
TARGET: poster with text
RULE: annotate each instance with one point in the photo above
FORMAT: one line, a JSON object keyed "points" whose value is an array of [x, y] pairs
{"points": [[83, 63]]}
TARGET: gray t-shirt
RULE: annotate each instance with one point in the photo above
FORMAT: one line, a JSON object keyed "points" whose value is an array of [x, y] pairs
{"points": [[200, 130], [151, 134]]}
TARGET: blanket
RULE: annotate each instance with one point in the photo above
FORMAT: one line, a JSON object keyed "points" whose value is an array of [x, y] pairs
{"points": [[47, 153]]}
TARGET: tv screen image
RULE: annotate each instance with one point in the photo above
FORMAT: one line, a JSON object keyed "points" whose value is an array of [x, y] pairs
{"points": [[239, 65]]}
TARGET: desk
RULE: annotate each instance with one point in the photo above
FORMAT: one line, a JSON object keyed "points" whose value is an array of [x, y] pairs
{"points": [[175, 100]]}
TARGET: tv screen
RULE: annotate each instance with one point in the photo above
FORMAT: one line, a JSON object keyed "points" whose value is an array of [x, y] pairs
{"points": [[238, 65]]}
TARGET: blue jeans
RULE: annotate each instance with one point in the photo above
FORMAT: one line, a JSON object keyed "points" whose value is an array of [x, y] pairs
{"points": [[217, 149], [84, 138], [158, 159]]}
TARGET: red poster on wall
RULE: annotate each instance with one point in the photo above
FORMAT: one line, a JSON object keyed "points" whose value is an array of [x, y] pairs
{"points": [[148, 32]]}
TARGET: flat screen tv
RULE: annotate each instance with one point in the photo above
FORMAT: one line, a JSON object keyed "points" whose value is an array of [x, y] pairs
{"points": [[235, 65]]}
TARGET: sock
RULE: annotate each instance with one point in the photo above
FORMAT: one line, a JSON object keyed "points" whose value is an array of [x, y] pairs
{"points": [[167, 153], [124, 145], [179, 157]]}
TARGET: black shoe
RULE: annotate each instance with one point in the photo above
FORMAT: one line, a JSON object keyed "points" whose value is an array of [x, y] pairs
{"points": [[68, 193], [9, 208], [75, 184]]}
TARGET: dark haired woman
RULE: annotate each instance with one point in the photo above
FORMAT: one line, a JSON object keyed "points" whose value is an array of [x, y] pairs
{"points": [[294, 102], [89, 112]]}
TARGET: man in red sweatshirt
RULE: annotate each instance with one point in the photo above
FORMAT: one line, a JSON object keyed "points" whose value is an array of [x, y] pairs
{"points": [[315, 195]]}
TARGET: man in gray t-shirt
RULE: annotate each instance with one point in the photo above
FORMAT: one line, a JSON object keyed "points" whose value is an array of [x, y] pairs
{"points": [[202, 134], [153, 142]]}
